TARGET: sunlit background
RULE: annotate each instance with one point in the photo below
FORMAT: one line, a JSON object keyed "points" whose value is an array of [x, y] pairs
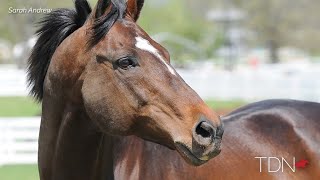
{"points": [[232, 52]]}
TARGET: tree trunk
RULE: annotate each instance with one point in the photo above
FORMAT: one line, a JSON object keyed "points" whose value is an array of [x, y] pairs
{"points": [[274, 52]]}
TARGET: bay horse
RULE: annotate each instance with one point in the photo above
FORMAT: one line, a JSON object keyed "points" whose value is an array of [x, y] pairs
{"points": [[114, 108], [100, 77]]}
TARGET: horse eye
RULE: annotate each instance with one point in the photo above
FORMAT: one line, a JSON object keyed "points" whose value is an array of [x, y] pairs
{"points": [[126, 63]]}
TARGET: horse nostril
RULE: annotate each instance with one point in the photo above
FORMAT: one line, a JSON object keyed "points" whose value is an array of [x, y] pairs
{"points": [[205, 130]]}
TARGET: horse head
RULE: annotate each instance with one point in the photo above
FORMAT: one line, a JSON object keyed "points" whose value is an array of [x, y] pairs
{"points": [[123, 79]]}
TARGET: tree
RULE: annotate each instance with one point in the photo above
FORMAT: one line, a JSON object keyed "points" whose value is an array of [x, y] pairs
{"points": [[17, 27], [280, 23], [274, 23]]}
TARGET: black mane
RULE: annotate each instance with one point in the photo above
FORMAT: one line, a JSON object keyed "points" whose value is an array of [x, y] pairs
{"points": [[58, 25], [54, 28]]}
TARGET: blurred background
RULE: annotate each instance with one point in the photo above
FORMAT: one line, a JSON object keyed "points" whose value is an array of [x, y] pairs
{"points": [[232, 52]]}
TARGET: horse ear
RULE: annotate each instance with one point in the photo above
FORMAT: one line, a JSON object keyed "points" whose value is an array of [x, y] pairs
{"points": [[101, 7], [134, 8]]}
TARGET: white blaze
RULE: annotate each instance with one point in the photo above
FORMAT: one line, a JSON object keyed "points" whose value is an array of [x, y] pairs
{"points": [[146, 46]]}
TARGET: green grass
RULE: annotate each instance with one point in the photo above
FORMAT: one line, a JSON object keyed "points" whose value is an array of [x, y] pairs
{"points": [[19, 172], [18, 107], [225, 105], [26, 106]]}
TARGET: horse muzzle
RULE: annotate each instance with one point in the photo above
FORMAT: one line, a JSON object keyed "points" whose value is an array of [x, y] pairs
{"points": [[206, 143]]}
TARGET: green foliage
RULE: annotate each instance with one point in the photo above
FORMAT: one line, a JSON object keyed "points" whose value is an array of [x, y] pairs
{"points": [[172, 17], [19, 27], [18, 107], [175, 17]]}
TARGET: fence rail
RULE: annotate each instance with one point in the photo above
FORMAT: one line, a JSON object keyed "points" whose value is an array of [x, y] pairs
{"points": [[266, 82], [19, 140], [254, 85]]}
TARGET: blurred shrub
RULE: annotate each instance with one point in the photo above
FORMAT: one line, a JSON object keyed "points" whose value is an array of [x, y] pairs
{"points": [[175, 17], [157, 16]]}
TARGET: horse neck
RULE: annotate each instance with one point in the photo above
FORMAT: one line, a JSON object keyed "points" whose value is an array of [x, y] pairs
{"points": [[70, 145]]}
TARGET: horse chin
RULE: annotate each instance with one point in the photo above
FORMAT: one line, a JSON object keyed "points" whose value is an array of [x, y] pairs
{"points": [[190, 158], [171, 146]]}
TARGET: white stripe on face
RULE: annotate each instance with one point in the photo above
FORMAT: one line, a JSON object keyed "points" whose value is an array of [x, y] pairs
{"points": [[146, 46]]}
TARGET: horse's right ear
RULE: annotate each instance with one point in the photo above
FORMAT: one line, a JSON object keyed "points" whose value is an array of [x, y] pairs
{"points": [[134, 8], [101, 8]]}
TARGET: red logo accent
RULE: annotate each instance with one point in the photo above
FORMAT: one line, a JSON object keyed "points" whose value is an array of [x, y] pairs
{"points": [[302, 163]]}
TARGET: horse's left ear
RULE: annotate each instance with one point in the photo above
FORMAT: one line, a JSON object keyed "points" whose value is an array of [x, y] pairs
{"points": [[134, 8]]}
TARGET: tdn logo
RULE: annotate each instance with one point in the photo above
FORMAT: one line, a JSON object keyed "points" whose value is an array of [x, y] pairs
{"points": [[301, 164], [275, 164]]}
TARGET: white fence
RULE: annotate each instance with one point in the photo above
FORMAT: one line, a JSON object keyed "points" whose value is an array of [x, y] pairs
{"points": [[19, 140], [268, 82], [12, 81], [300, 81]]}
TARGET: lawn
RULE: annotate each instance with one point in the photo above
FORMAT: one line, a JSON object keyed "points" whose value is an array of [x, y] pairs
{"points": [[18, 107], [223, 107], [19, 172], [26, 106]]}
